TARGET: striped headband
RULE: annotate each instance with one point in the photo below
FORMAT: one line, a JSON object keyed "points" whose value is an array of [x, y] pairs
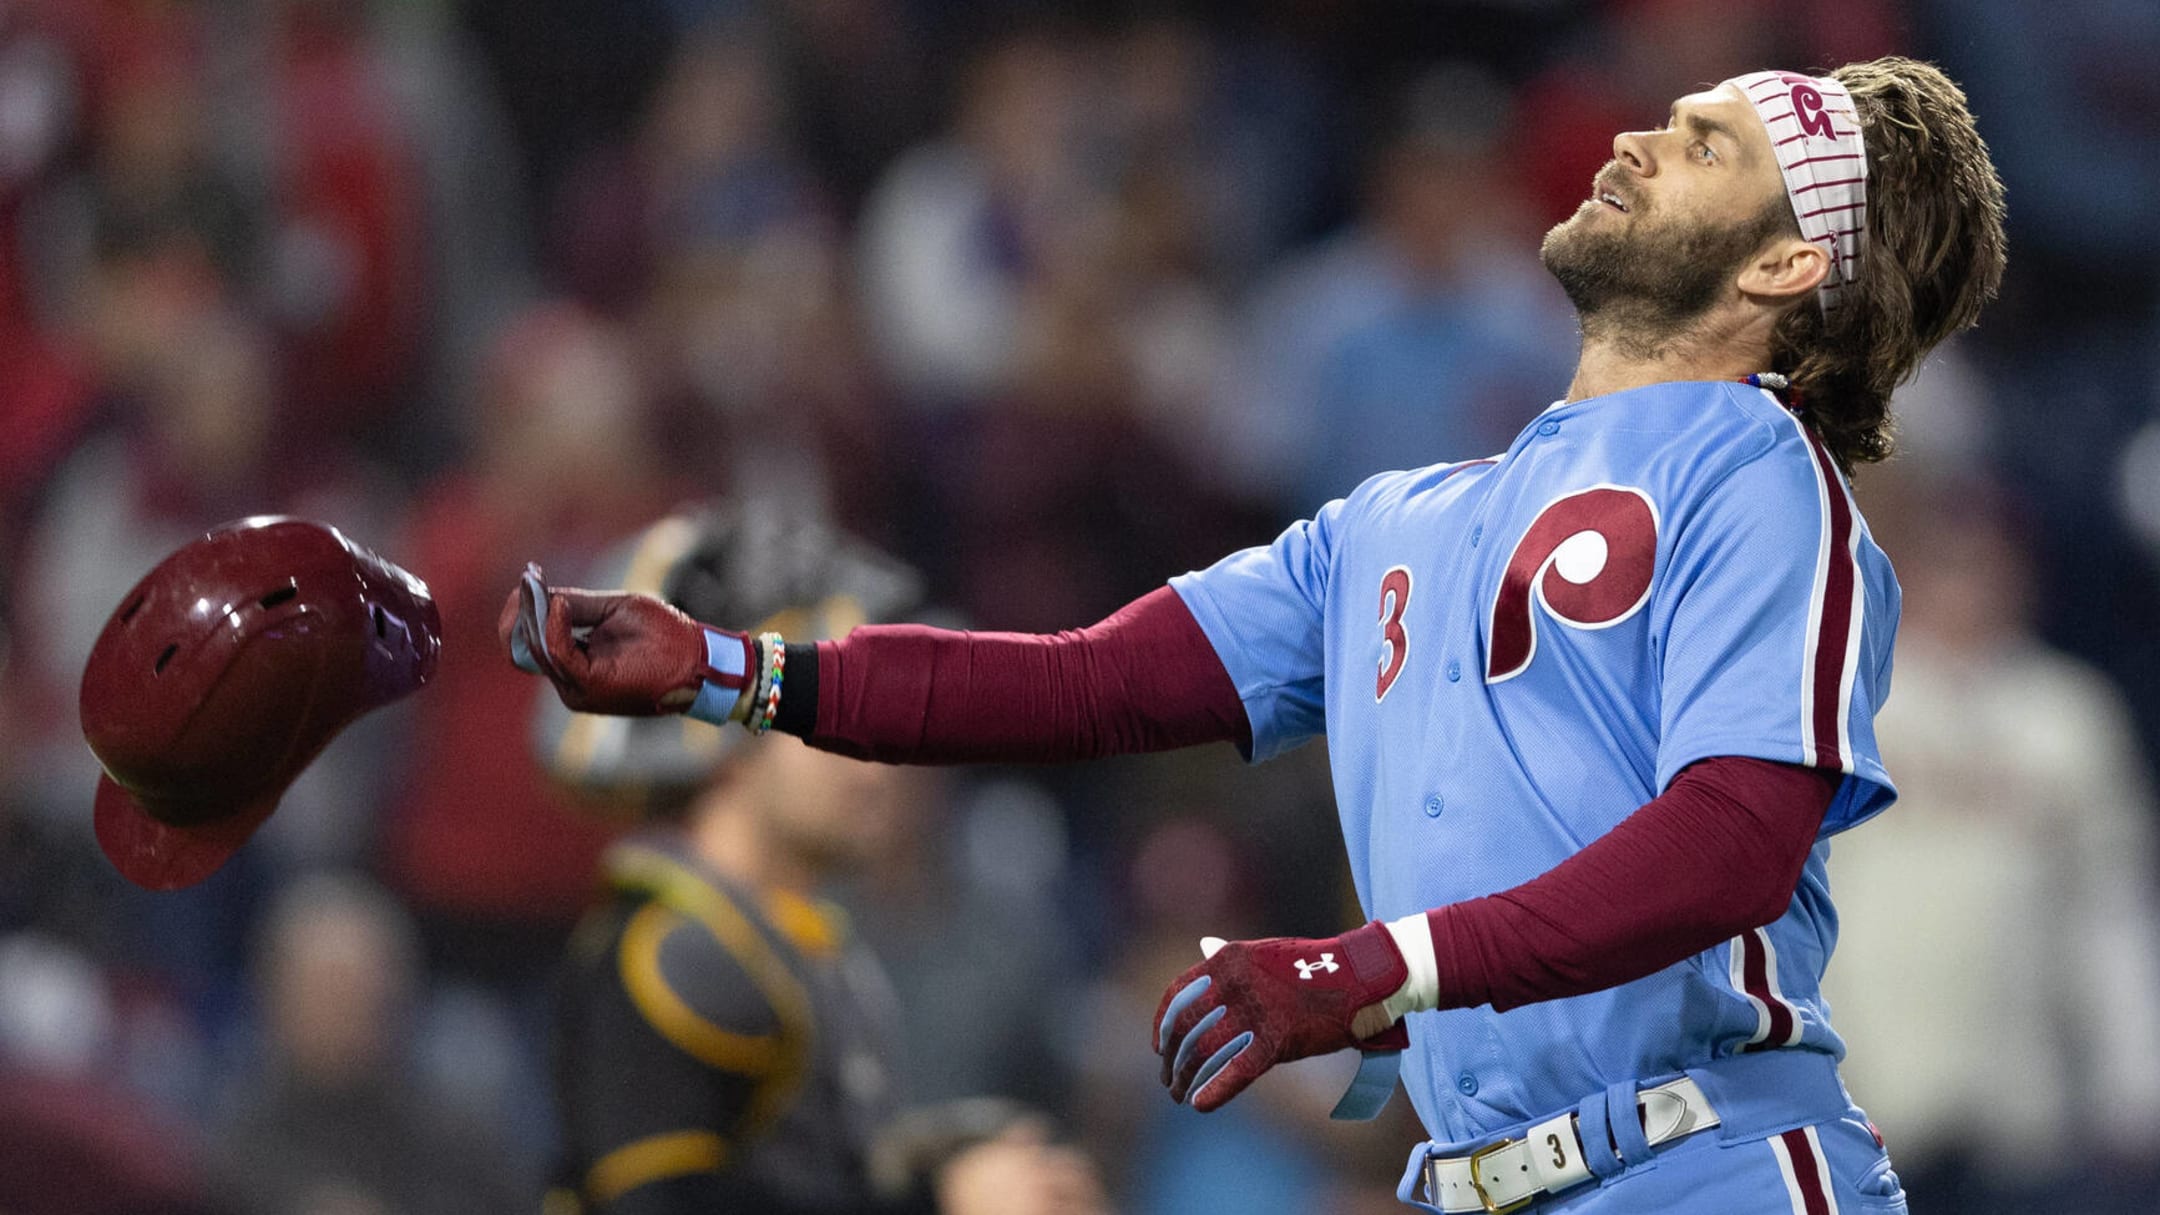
{"points": [[1815, 135]]}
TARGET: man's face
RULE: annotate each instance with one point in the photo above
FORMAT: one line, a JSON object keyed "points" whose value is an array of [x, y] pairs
{"points": [[1673, 216]]}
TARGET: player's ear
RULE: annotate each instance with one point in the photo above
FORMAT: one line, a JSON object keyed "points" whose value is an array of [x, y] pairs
{"points": [[1784, 269]]}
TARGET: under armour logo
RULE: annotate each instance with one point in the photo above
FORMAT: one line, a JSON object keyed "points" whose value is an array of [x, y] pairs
{"points": [[1305, 969], [1807, 104]]}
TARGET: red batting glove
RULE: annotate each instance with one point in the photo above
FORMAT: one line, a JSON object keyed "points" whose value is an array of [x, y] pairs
{"points": [[1254, 1004], [614, 652]]}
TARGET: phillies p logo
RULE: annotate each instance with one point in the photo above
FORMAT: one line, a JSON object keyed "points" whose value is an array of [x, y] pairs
{"points": [[1586, 560], [1807, 106]]}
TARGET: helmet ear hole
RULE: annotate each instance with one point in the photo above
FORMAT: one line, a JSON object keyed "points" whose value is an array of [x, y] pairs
{"points": [[165, 656], [281, 595], [134, 605], [382, 623]]}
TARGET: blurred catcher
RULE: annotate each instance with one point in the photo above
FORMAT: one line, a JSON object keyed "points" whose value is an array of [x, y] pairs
{"points": [[724, 1042]]}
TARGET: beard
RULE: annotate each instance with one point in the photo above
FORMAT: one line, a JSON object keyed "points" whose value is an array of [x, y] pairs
{"points": [[1644, 283]]}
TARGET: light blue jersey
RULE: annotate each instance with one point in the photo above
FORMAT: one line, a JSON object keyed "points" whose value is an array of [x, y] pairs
{"points": [[1510, 656]]}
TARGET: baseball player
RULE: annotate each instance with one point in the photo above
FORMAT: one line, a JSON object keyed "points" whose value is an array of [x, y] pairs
{"points": [[725, 1042], [1594, 704]]}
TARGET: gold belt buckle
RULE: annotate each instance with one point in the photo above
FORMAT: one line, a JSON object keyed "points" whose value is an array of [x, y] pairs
{"points": [[1478, 1186]]}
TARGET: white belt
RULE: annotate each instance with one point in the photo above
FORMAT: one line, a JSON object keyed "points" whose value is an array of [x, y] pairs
{"points": [[1506, 1175]]}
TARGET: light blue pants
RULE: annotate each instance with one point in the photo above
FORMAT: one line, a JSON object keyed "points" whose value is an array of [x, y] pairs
{"points": [[1790, 1143]]}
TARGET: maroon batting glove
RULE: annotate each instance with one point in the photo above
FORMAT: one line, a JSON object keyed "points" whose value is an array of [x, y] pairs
{"points": [[1254, 1004], [618, 653]]}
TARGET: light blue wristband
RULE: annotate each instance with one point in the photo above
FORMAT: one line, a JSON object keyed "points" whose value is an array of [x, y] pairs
{"points": [[726, 655]]}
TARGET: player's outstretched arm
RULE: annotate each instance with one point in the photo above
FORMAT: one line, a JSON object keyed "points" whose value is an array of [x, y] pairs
{"points": [[1145, 679]]}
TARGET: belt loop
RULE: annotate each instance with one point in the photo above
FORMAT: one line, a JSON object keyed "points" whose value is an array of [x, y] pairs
{"points": [[1407, 1187], [1591, 1122], [1627, 1128]]}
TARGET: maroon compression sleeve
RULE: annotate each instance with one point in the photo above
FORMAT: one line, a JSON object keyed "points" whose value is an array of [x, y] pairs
{"points": [[1146, 679], [1718, 853]]}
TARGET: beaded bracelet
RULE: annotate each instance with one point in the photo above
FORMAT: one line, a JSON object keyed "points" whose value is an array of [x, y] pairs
{"points": [[761, 719]]}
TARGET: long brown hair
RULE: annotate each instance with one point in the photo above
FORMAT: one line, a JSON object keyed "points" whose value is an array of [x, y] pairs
{"points": [[1934, 255]]}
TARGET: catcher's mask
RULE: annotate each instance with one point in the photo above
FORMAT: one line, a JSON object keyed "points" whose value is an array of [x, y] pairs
{"points": [[749, 566]]}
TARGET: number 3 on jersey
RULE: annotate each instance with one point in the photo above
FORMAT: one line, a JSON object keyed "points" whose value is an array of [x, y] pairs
{"points": [[1587, 559], [1394, 601]]}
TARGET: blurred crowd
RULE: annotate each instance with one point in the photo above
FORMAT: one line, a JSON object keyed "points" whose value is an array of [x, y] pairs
{"points": [[1054, 300]]}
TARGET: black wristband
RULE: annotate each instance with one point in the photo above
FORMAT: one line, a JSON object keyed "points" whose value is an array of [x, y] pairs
{"points": [[798, 692]]}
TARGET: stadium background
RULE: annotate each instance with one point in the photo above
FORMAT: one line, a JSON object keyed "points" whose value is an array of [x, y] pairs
{"points": [[1055, 300]]}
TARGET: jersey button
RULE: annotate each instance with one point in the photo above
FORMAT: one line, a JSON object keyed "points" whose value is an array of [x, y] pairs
{"points": [[1466, 1084], [1434, 805], [1454, 671], [1548, 429], [1476, 534]]}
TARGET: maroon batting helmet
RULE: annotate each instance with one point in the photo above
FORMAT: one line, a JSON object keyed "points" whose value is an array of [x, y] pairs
{"points": [[224, 672]]}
